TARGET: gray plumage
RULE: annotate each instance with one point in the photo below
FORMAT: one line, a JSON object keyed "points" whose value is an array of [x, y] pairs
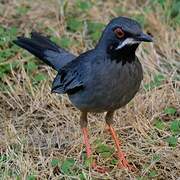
{"points": [[97, 90], [102, 79]]}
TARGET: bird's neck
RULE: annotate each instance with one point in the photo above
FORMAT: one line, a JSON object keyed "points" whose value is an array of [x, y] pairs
{"points": [[125, 54]]}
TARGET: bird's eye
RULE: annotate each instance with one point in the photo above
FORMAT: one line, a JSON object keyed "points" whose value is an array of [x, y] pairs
{"points": [[119, 32]]}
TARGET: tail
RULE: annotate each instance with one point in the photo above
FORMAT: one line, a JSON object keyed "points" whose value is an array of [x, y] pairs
{"points": [[45, 50]]}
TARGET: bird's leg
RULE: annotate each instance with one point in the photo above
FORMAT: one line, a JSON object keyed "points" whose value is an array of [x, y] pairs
{"points": [[83, 124], [121, 156]]}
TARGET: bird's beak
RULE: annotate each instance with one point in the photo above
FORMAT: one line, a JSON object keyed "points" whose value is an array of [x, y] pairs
{"points": [[144, 37], [135, 40]]}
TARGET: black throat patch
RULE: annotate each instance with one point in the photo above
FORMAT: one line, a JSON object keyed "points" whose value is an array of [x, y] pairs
{"points": [[124, 55]]}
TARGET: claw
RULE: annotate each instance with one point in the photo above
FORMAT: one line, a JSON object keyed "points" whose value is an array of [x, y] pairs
{"points": [[123, 163], [99, 168]]}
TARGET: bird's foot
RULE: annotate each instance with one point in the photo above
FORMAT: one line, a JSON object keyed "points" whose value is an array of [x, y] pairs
{"points": [[98, 168], [123, 163]]}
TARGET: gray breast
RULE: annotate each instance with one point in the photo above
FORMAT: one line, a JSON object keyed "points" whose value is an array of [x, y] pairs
{"points": [[109, 86]]}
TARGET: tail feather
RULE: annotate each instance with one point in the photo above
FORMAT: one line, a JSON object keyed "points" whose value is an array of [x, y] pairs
{"points": [[45, 50], [30, 45], [46, 42]]}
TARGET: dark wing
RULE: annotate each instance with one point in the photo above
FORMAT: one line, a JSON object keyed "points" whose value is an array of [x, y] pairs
{"points": [[70, 79], [45, 50]]}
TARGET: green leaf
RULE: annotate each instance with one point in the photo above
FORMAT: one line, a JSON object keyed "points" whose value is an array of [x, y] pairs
{"points": [[95, 36], [67, 166], [156, 82], [2, 30], [104, 150], [18, 178], [22, 10], [88, 162], [55, 162], [5, 54], [156, 157], [82, 176], [175, 11], [106, 154], [153, 173], [172, 141], [175, 127], [170, 111], [5, 69], [55, 39], [3, 158], [161, 2], [95, 30], [159, 124], [74, 25], [31, 66], [31, 177], [65, 42], [159, 78], [114, 161], [40, 77], [94, 26], [13, 31], [84, 5]]}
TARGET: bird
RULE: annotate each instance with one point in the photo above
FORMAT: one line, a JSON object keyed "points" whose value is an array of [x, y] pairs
{"points": [[100, 80]]}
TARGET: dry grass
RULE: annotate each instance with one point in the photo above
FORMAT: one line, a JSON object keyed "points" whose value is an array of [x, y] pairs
{"points": [[37, 126]]}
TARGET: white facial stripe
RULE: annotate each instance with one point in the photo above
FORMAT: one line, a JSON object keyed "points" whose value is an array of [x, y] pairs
{"points": [[127, 41]]}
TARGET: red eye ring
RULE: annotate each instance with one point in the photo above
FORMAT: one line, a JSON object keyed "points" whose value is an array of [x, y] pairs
{"points": [[119, 32]]}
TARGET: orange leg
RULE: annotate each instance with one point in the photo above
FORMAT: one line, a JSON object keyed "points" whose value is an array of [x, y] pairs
{"points": [[121, 156], [86, 142], [89, 151]]}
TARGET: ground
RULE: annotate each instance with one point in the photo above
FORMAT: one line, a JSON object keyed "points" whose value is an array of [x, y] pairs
{"points": [[40, 137]]}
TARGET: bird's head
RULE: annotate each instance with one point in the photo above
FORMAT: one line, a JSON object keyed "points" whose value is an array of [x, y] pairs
{"points": [[123, 33]]}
